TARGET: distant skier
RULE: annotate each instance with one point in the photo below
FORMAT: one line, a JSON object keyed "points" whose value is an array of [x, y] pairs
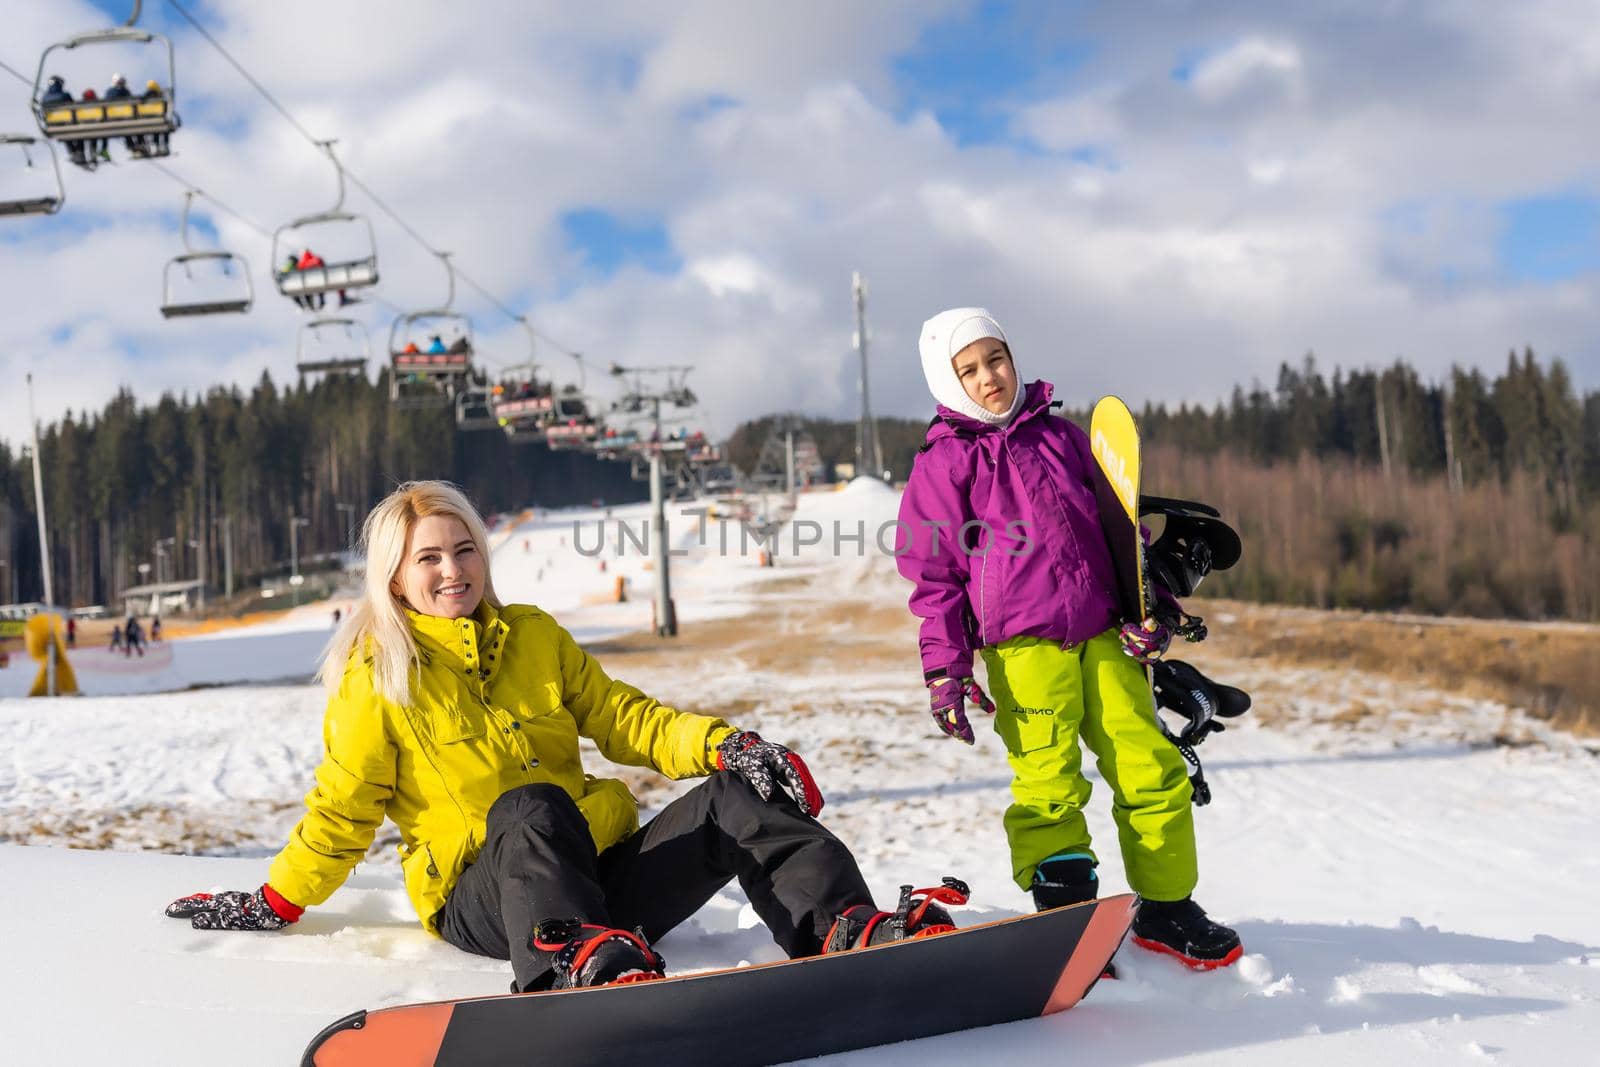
{"points": [[116, 638], [155, 628], [458, 718], [133, 638], [72, 632], [337, 615], [1023, 575]]}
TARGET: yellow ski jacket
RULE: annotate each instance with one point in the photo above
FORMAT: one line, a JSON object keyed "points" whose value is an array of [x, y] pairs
{"points": [[501, 701]]}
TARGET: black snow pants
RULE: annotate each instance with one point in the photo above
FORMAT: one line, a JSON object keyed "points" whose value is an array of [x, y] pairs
{"points": [[538, 862]]}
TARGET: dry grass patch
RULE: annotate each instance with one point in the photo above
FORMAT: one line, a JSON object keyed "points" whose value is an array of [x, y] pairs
{"points": [[1551, 670]]}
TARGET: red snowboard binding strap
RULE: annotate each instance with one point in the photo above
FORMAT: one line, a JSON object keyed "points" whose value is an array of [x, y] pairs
{"points": [[574, 944], [919, 914], [917, 923]]}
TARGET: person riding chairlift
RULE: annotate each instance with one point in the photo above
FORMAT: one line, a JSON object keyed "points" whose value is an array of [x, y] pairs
{"points": [[436, 346], [55, 95], [119, 91], [309, 260], [291, 263], [97, 145], [152, 91]]}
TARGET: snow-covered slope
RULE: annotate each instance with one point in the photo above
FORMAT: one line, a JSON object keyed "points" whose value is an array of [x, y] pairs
{"points": [[1407, 892]]}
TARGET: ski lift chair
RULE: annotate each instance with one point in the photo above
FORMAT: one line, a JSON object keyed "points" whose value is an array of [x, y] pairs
{"points": [[475, 409], [571, 435], [410, 361], [455, 363], [34, 205], [414, 392], [172, 307], [133, 116], [522, 406], [615, 444], [357, 272], [310, 351], [572, 424]]}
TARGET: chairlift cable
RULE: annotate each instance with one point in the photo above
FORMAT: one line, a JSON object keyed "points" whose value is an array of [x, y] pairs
{"points": [[356, 181], [190, 187], [23, 78], [242, 72]]}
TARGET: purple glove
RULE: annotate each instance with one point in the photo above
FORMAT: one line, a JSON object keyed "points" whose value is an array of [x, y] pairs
{"points": [[947, 699], [1146, 642]]}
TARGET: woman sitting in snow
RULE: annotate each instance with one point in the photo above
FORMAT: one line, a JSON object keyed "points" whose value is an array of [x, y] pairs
{"points": [[458, 717]]}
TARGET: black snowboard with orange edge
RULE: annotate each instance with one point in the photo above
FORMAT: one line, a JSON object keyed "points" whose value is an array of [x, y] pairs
{"points": [[992, 973]]}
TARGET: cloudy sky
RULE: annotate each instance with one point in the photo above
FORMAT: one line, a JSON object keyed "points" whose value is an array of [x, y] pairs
{"points": [[1157, 199]]}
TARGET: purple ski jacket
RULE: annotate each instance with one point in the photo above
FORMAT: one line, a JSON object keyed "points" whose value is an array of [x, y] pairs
{"points": [[1004, 536]]}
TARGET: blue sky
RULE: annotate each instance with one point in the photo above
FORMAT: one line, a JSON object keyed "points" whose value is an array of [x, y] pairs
{"points": [[1551, 238]]}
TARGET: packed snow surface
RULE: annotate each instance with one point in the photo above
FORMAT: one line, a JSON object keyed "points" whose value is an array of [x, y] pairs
{"points": [[1407, 892]]}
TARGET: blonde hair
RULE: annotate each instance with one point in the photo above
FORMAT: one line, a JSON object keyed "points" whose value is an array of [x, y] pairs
{"points": [[377, 625]]}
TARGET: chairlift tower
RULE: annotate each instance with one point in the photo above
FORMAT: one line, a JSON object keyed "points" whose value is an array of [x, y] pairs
{"points": [[869, 455], [640, 399]]}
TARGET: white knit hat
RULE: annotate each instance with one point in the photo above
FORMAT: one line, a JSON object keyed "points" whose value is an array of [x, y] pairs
{"points": [[942, 337]]}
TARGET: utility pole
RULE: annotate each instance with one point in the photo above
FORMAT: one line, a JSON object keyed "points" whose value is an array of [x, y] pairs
{"points": [[788, 459], [295, 580], [638, 399], [869, 457], [161, 557], [1451, 471], [200, 557], [44, 547], [227, 557], [349, 524], [1383, 427]]}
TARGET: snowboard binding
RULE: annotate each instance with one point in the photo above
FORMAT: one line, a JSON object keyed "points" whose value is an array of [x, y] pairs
{"points": [[918, 914], [584, 954], [1181, 688], [1194, 542]]}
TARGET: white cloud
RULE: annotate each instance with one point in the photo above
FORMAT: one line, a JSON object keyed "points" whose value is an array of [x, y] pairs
{"points": [[1248, 64]]}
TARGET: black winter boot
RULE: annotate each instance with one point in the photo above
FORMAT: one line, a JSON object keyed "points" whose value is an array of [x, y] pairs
{"points": [[918, 915], [1181, 928], [583, 954], [1064, 880]]}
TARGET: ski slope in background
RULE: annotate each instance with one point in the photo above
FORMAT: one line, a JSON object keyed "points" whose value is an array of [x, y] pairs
{"points": [[1407, 892]]}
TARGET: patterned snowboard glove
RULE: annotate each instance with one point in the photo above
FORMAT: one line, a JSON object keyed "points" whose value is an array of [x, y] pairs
{"points": [[947, 699], [766, 765], [1145, 642], [236, 910]]}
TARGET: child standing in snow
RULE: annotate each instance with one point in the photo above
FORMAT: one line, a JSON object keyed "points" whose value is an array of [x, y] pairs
{"points": [[1009, 559]]}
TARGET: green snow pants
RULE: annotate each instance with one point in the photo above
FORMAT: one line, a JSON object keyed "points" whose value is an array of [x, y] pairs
{"points": [[1047, 697]]}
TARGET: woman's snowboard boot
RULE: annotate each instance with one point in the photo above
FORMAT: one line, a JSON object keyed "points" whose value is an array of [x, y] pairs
{"points": [[919, 914], [583, 954]]}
